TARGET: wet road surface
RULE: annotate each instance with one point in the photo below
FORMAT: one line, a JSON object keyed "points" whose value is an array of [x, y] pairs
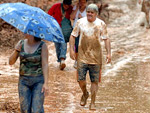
{"points": [[126, 92], [125, 86]]}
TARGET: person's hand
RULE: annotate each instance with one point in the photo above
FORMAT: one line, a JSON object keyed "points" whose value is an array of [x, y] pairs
{"points": [[18, 46], [79, 16], [77, 6], [72, 55], [45, 89], [108, 58]]}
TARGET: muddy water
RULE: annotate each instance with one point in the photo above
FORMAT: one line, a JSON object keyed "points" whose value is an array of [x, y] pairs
{"points": [[125, 86]]}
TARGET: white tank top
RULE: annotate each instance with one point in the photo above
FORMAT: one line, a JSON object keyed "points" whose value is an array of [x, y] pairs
{"points": [[83, 14]]}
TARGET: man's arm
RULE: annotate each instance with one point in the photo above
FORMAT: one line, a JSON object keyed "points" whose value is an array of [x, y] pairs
{"points": [[71, 46], [108, 49]]}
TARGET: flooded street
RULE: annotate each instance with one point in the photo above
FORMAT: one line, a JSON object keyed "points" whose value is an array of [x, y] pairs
{"points": [[125, 86]]}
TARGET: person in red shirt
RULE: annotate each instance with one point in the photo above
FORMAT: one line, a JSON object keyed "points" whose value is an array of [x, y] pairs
{"points": [[57, 12]]}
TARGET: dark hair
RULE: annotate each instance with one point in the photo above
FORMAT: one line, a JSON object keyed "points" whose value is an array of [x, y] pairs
{"points": [[86, 0], [67, 2], [37, 39]]}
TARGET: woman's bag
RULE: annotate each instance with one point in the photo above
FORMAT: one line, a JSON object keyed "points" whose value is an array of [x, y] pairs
{"points": [[66, 28], [65, 25]]}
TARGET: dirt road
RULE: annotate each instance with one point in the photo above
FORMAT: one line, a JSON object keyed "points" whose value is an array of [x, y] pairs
{"points": [[125, 86]]}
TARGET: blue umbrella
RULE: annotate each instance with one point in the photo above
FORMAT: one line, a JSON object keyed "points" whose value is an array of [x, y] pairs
{"points": [[31, 20]]}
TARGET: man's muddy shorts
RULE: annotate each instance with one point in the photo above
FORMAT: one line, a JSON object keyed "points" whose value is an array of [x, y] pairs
{"points": [[94, 72]]}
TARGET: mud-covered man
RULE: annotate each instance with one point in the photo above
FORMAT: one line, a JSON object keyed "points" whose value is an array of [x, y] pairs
{"points": [[92, 31]]}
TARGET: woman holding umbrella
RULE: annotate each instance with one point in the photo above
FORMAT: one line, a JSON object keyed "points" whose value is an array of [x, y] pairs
{"points": [[33, 53], [33, 79]]}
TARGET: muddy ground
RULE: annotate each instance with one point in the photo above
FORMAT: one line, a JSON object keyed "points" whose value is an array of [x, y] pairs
{"points": [[125, 86]]}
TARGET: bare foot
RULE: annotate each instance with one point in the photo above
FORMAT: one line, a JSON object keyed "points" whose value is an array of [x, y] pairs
{"points": [[84, 99], [92, 107], [148, 27], [142, 24]]}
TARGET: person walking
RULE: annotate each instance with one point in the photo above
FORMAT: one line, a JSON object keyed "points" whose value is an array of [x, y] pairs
{"points": [[146, 10], [91, 30], [59, 11], [79, 11], [33, 73]]}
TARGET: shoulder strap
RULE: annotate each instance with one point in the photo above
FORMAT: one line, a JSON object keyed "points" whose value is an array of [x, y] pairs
{"points": [[40, 46], [22, 42], [62, 10]]}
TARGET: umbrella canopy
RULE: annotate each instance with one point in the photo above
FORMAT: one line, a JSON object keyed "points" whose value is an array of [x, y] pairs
{"points": [[31, 20]]}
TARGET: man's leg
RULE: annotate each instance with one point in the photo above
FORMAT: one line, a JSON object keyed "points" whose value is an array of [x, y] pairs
{"points": [[57, 47], [147, 5], [82, 70], [147, 21], [63, 51], [85, 95], [82, 85], [94, 72], [94, 89]]}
